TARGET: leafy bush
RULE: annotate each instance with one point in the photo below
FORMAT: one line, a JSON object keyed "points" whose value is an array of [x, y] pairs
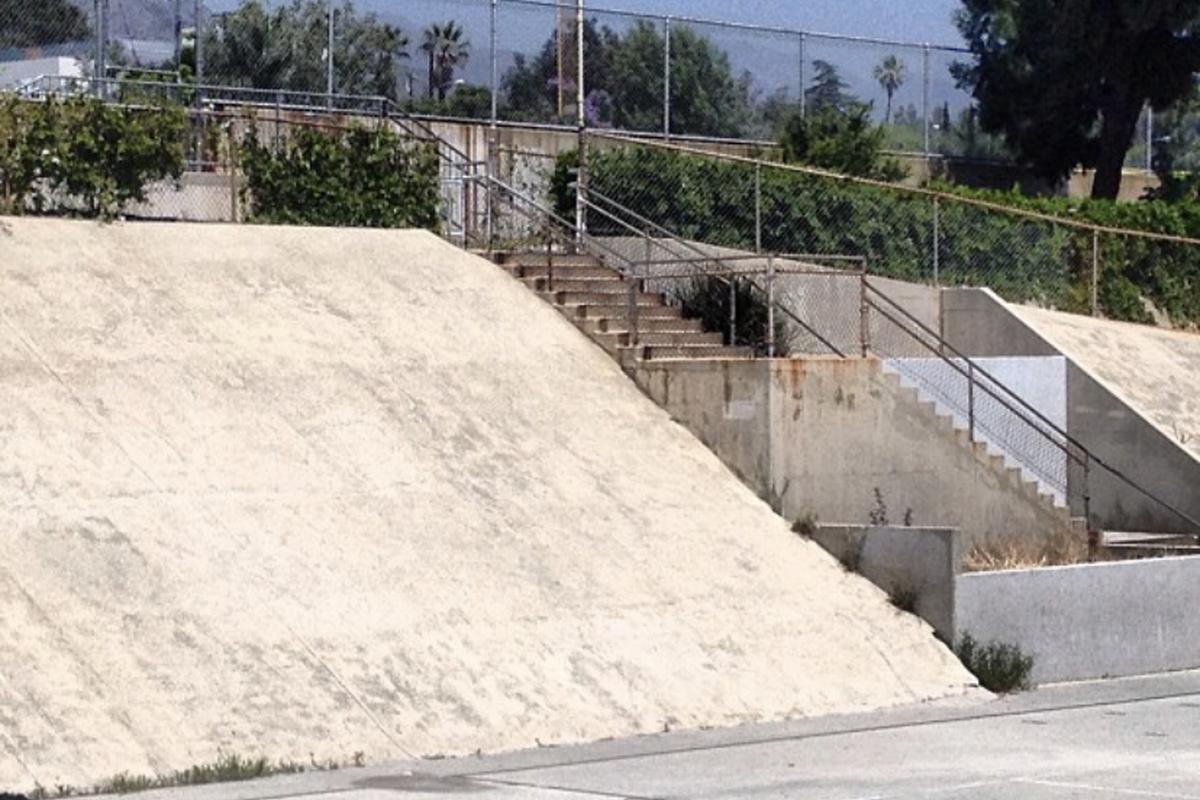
{"points": [[1022, 259], [344, 178], [841, 140], [83, 156], [1000, 668], [706, 298]]}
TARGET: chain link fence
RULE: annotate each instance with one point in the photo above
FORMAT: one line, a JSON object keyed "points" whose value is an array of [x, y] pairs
{"points": [[511, 61], [905, 233]]}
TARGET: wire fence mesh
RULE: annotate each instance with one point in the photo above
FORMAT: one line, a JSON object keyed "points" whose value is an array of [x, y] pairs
{"points": [[517, 58], [910, 234]]}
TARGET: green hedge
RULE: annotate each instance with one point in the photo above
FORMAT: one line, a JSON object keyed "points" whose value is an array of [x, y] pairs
{"points": [[343, 178], [82, 156], [1024, 260]]}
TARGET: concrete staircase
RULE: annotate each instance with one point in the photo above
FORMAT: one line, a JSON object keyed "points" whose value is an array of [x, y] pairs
{"points": [[997, 462], [596, 298]]}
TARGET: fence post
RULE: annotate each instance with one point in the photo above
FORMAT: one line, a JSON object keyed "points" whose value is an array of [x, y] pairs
{"points": [[758, 206], [803, 102], [864, 311], [329, 64], [925, 98], [179, 41], [770, 306], [1095, 272], [937, 241], [667, 78], [198, 16], [101, 70], [581, 121], [495, 76], [970, 399], [278, 119]]}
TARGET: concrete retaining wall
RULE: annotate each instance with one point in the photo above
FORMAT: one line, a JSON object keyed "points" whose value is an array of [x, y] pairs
{"points": [[923, 561], [820, 435], [1089, 621]]}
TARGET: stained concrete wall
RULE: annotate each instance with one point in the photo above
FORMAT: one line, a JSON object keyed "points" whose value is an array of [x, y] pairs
{"points": [[923, 561], [1092, 620], [820, 435], [1115, 429]]}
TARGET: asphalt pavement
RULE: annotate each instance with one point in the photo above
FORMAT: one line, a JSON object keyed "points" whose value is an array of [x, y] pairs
{"points": [[1130, 738]]}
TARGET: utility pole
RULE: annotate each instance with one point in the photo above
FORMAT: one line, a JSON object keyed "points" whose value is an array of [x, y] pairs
{"points": [[178, 39], [199, 17]]}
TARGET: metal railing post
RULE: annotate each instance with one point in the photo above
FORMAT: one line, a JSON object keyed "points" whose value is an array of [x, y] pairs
{"points": [[733, 310], [970, 400], [1095, 299], [770, 306], [758, 206], [937, 240], [549, 256], [864, 315], [489, 211], [667, 78], [632, 312]]}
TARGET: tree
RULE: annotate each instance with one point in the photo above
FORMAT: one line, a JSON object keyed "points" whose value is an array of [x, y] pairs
{"points": [[284, 49], [447, 50], [828, 90], [841, 140], [1065, 82], [624, 80], [530, 86], [891, 74], [26, 24]]}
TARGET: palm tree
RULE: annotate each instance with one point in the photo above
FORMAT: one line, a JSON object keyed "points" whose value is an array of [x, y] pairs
{"points": [[891, 74], [447, 50]]}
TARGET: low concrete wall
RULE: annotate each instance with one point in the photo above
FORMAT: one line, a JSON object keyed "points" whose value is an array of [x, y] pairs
{"points": [[820, 435], [979, 324], [921, 560], [1089, 621]]}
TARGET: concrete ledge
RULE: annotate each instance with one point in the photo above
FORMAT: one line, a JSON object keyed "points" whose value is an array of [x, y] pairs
{"points": [[1092, 620], [1078, 622]]}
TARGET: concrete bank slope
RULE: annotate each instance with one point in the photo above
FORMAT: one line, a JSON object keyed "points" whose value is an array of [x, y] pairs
{"points": [[295, 491], [1157, 371]]}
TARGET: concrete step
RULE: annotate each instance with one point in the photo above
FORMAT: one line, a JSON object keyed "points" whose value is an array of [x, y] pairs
{"points": [[562, 272], [685, 352], [541, 260], [643, 300], [611, 284], [661, 338], [592, 326], [620, 312]]}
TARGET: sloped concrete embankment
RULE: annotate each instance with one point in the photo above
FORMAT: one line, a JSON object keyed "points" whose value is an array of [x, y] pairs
{"points": [[292, 492]]}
